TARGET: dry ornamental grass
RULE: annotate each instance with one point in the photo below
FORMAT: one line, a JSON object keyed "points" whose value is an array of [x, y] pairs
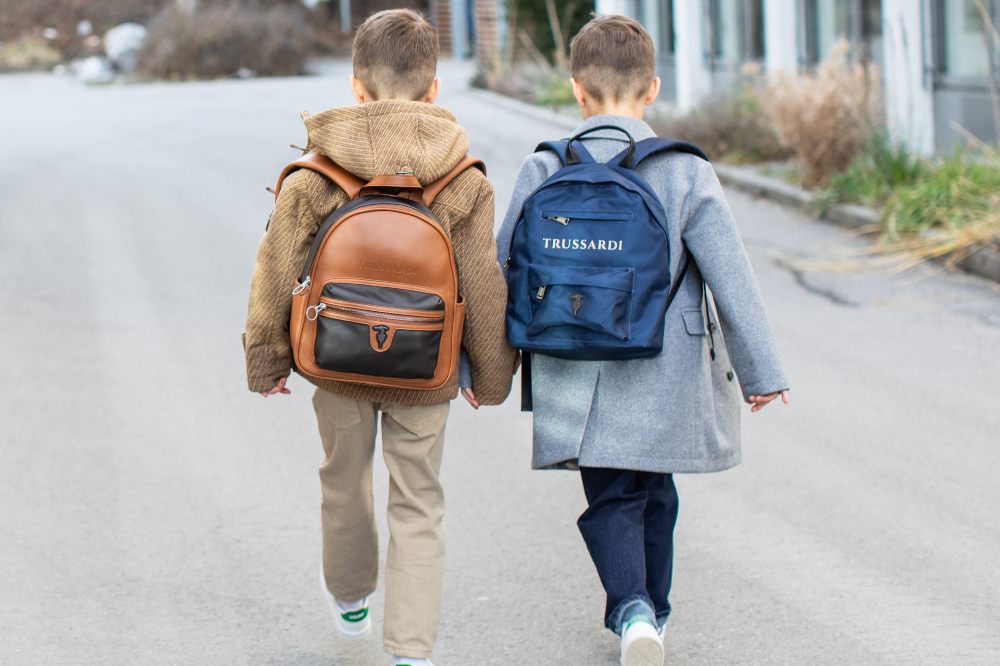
{"points": [[824, 117]]}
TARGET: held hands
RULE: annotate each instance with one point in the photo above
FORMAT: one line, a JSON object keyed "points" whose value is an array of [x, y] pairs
{"points": [[470, 397], [759, 402], [278, 388]]}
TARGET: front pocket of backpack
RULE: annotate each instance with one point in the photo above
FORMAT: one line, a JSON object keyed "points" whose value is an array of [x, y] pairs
{"points": [[377, 340], [568, 299]]}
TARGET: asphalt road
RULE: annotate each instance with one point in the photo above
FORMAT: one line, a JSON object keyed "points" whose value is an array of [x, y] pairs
{"points": [[152, 511]]}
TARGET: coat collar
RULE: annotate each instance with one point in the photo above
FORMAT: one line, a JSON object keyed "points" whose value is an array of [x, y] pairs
{"points": [[639, 129]]}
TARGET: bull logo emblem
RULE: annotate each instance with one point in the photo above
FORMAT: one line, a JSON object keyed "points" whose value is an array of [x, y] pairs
{"points": [[381, 334]]}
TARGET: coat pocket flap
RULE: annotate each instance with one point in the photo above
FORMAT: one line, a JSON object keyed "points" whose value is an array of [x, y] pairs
{"points": [[694, 321]]}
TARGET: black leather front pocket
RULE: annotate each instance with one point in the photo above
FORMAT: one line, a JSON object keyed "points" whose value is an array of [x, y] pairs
{"points": [[379, 344]]}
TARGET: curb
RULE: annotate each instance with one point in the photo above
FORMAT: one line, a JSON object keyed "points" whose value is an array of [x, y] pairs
{"points": [[523, 108], [983, 262]]}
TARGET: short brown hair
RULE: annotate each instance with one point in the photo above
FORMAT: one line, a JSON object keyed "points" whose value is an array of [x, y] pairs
{"points": [[395, 54], [612, 57]]}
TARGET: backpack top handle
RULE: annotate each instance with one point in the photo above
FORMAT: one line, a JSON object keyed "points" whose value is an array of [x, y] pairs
{"points": [[404, 186], [573, 155], [654, 146]]}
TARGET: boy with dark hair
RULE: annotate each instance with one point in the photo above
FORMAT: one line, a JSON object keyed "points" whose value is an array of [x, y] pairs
{"points": [[394, 129], [629, 425]]}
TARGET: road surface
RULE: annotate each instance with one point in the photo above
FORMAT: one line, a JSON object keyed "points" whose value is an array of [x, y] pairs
{"points": [[152, 511]]}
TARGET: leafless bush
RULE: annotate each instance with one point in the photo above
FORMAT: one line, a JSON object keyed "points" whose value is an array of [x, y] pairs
{"points": [[218, 41], [824, 117], [728, 127]]}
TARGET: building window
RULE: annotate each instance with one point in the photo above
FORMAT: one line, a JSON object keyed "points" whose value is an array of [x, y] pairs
{"points": [[737, 30], [658, 18], [963, 50], [668, 40], [829, 22]]}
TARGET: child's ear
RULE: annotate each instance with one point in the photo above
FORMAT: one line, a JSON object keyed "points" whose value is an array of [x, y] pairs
{"points": [[432, 92], [361, 94], [653, 92], [578, 92]]}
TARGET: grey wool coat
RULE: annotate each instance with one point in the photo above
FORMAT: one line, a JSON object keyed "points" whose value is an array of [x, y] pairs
{"points": [[678, 411]]}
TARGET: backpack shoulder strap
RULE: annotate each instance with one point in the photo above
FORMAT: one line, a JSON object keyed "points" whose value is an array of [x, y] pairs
{"points": [[654, 146], [559, 148], [431, 190], [324, 166]]}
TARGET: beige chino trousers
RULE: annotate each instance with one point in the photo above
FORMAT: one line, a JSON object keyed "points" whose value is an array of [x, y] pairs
{"points": [[412, 444]]}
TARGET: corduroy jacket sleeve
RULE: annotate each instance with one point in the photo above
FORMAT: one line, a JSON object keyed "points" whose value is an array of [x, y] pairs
{"points": [[492, 360], [280, 257]]}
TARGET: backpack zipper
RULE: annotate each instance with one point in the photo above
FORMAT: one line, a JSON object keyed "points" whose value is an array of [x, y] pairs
{"points": [[382, 315], [591, 216], [316, 309]]}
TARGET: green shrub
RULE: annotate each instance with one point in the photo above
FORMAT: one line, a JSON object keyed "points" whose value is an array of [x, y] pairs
{"points": [[730, 127], [556, 91], [961, 190], [219, 40], [874, 175]]}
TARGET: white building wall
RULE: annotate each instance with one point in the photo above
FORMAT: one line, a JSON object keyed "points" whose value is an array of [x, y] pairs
{"points": [[652, 19], [694, 78], [622, 7], [781, 27], [909, 92], [459, 29]]}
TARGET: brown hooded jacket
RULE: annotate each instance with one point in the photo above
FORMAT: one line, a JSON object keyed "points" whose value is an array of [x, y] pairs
{"points": [[370, 139]]}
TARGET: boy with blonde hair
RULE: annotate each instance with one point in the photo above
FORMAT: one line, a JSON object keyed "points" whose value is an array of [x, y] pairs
{"points": [[394, 129], [629, 425]]}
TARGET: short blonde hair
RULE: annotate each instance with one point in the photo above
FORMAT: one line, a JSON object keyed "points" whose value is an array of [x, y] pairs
{"points": [[395, 54], [613, 58]]}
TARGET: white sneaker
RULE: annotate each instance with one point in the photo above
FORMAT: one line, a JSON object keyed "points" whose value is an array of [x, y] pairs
{"points": [[642, 644], [352, 619], [410, 661]]}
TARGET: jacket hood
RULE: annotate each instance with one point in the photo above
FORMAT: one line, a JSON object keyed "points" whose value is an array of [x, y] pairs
{"points": [[388, 136]]}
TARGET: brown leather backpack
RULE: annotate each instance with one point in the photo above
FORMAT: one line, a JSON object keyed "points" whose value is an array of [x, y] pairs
{"points": [[378, 301]]}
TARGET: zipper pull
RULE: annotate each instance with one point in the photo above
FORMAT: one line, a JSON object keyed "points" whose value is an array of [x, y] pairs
{"points": [[558, 218], [302, 287], [312, 312], [540, 294]]}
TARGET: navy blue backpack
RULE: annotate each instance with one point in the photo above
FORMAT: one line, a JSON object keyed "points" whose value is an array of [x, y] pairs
{"points": [[589, 265]]}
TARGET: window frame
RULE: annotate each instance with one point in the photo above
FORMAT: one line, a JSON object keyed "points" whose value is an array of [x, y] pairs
{"points": [[712, 56], [938, 35]]}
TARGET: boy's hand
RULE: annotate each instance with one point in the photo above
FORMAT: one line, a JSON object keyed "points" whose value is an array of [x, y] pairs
{"points": [[278, 388], [470, 397], [759, 402]]}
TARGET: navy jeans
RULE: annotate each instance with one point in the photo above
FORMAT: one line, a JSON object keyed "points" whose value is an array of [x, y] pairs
{"points": [[629, 530]]}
